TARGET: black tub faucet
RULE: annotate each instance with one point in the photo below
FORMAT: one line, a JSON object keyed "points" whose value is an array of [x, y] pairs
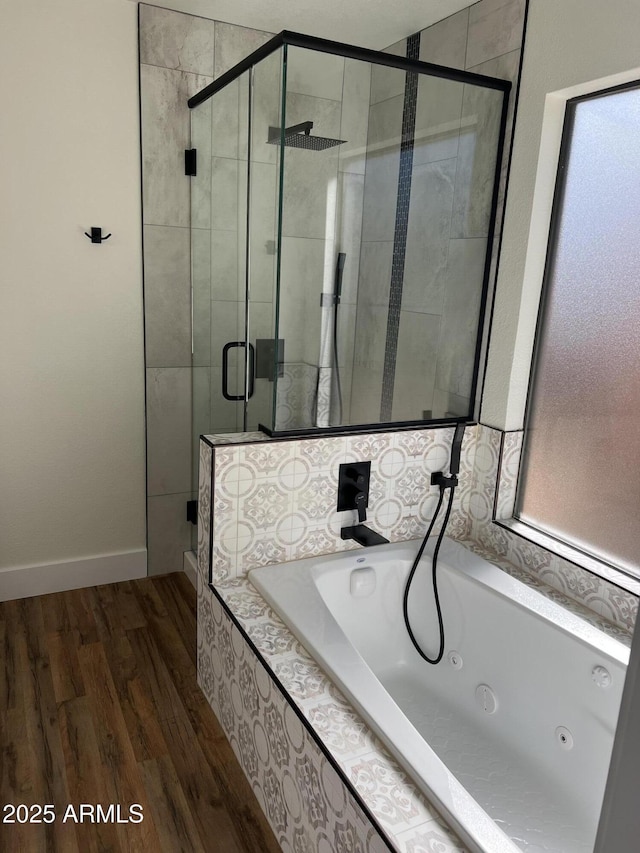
{"points": [[353, 493], [353, 488], [363, 535]]}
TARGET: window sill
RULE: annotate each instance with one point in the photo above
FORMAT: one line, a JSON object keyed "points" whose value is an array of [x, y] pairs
{"points": [[573, 555]]}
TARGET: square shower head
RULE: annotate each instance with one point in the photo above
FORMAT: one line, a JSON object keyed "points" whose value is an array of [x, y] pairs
{"points": [[299, 136]]}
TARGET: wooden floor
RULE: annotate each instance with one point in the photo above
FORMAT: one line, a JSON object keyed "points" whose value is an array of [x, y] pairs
{"points": [[99, 705]]}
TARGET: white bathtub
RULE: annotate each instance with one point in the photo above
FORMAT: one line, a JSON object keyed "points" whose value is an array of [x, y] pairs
{"points": [[525, 775]]}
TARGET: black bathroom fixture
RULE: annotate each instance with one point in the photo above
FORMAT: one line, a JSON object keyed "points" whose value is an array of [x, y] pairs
{"points": [[96, 235], [337, 295], [353, 493], [443, 482], [350, 51], [192, 512], [299, 136], [363, 535], [191, 162], [353, 487], [251, 371]]}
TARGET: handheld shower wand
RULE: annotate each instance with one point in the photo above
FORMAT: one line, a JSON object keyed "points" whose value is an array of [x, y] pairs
{"points": [[337, 294], [456, 450], [443, 482]]}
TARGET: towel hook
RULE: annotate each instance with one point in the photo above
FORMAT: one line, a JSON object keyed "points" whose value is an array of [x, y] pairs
{"points": [[96, 235]]}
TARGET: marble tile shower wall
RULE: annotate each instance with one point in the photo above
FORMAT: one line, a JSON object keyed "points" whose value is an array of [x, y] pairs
{"points": [[179, 55], [276, 500], [486, 39], [381, 176], [448, 222], [322, 215]]}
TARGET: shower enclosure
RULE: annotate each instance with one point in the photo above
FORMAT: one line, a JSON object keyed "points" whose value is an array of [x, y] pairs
{"points": [[343, 212]]}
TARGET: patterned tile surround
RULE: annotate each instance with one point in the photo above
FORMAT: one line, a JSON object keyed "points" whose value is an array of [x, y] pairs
{"points": [[497, 459], [301, 786], [275, 500], [275, 704]]}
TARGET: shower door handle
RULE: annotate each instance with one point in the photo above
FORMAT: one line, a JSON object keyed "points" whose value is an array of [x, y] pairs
{"points": [[225, 370], [252, 371]]}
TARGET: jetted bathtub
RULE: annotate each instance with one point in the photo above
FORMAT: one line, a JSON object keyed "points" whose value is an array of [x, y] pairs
{"points": [[510, 736]]}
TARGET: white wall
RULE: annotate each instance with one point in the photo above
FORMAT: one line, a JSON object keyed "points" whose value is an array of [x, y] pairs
{"points": [[71, 330], [568, 44]]}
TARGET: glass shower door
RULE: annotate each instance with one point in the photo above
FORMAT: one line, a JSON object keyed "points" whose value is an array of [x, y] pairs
{"points": [[234, 214], [264, 160], [218, 251]]}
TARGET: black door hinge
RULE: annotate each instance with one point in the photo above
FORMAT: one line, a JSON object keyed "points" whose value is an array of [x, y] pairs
{"points": [[192, 511], [190, 161]]}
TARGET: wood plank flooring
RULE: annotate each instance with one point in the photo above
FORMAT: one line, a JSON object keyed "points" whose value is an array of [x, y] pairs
{"points": [[99, 705]]}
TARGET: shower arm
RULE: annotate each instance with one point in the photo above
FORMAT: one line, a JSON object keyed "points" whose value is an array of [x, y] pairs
{"points": [[304, 127]]}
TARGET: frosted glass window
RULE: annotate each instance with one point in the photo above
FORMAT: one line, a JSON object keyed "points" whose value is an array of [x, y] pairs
{"points": [[580, 477]]}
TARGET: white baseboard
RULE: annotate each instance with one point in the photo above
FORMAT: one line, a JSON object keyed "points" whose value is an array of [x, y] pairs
{"points": [[190, 567], [27, 581]]}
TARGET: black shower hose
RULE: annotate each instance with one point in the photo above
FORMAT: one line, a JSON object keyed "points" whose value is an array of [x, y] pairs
{"points": [[434, 575], [336, 364]]}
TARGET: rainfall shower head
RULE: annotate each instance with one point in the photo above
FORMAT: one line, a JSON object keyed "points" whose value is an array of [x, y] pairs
{"points": [[299, 136]]}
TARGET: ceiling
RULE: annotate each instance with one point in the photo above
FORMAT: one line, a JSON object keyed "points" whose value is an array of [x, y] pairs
{"points": [[369, 23]]}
